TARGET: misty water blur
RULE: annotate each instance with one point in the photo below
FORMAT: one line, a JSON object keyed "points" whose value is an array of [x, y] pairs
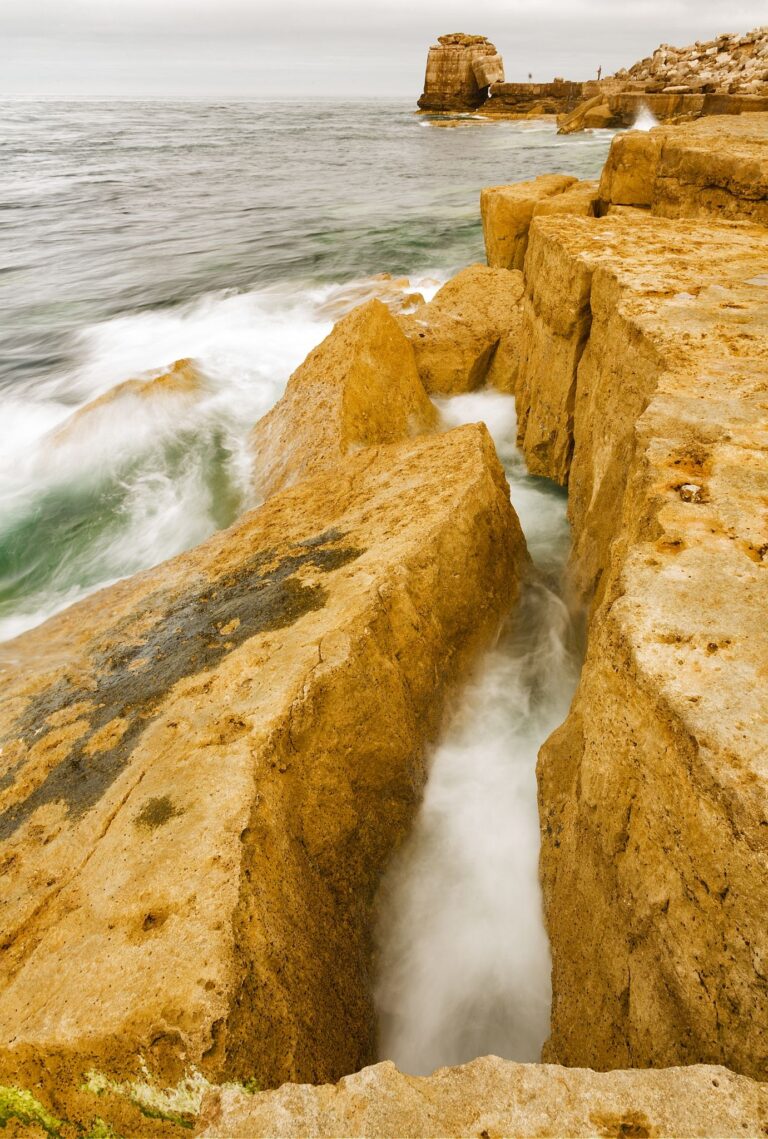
{"points": [[464, 967], [645, 120]]}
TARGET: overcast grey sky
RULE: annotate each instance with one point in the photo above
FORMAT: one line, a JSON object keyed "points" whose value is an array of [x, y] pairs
{"points": [[335, 48]]}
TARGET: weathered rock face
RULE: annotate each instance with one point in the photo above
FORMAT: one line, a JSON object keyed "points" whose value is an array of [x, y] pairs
{"points": [[643, 371], [358, 388], [527, 100], [715, 167], [206, 768], [496, 1097], [460, 68], [507, 212], [455, 336]]}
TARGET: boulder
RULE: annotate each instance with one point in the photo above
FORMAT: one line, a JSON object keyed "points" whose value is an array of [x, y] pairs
{"points": [[506, 213], [629, 172], [714, 167], [358, 388], [206, 768], [455, 336], [642, 380], [496, 1097], [460, 69]]}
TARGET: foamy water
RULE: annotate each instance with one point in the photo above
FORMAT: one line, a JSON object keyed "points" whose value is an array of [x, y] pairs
{"points": [[138, 481], [464, 967]]}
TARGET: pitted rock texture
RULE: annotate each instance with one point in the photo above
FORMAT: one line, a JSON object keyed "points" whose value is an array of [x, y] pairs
{"points": [[460, 69], [206, 768], [456, 335], [493, 1097], [358, 388], [716, 167], [642, 383], [506, 213]]}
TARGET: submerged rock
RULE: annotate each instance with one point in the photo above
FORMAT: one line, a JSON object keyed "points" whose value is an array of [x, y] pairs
{"points": [[643, 371], [460, 69], [206, 768], [358, 388], [455, 336], [181, 381], [497, 1097]]}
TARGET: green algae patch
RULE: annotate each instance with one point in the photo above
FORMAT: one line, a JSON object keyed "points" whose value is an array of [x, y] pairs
{"points": [[101, 1130], [21, 1105], [179, 1105]]}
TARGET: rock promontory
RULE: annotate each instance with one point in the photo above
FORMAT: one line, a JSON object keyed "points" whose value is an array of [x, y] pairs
{"points": [[460, 70], [206, 768]]}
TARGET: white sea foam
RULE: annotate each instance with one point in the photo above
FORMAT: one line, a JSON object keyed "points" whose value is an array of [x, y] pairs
{"points": [[646, 120], [464, 958], [137, 482]]}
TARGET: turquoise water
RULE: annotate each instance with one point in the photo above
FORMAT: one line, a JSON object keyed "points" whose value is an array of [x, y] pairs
{"points": [[133, 234]]}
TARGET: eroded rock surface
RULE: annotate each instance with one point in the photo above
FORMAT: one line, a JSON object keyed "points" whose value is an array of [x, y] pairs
{"points": [[206, 768], [358, 388], [716, 167], [507, 212], [460, 69], [456, 335], [643, 379], [496, 1097]]}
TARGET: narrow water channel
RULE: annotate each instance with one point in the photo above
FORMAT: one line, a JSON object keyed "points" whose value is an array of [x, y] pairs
{"points": [[464, 967]]}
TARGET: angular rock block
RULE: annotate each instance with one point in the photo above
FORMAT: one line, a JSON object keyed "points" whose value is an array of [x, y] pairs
{"points": [[456, 335], [507, 211], [358, 388], [206, 768]]}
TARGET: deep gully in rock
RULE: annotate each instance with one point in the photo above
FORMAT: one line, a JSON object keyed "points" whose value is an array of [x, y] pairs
{"points": [[464, 967]]}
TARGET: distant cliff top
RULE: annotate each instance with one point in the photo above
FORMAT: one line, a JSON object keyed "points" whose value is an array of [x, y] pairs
{"points": [[462, 40], [736, 63]]}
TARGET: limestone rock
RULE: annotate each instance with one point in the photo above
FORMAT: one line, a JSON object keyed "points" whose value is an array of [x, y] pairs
{"points": [[396, 293], [459, 71], [206, 768], [497, 1097], [533, 100], [181, 381], [507, 211], [358, 388], [454, 337], [715, 167], [643, 370]]}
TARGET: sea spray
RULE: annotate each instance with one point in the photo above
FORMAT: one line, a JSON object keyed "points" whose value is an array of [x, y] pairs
{"points": [[464, 964], [138, 480]]}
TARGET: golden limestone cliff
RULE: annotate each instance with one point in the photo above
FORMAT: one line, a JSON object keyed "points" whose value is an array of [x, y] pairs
{"points": [[643, 379]]}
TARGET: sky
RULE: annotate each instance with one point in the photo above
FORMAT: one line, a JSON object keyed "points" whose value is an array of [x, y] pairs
{"points": [[325, 48]]}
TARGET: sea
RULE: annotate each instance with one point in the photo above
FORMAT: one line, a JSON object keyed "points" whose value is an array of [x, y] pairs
{"points": [[134, 234]]}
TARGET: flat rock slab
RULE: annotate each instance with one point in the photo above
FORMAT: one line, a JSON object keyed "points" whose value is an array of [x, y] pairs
{"points": [[494, 1098], [206, 768]]}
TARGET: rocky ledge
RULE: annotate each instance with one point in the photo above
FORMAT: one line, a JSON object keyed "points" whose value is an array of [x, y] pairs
{"points": [[493, 1097]]}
